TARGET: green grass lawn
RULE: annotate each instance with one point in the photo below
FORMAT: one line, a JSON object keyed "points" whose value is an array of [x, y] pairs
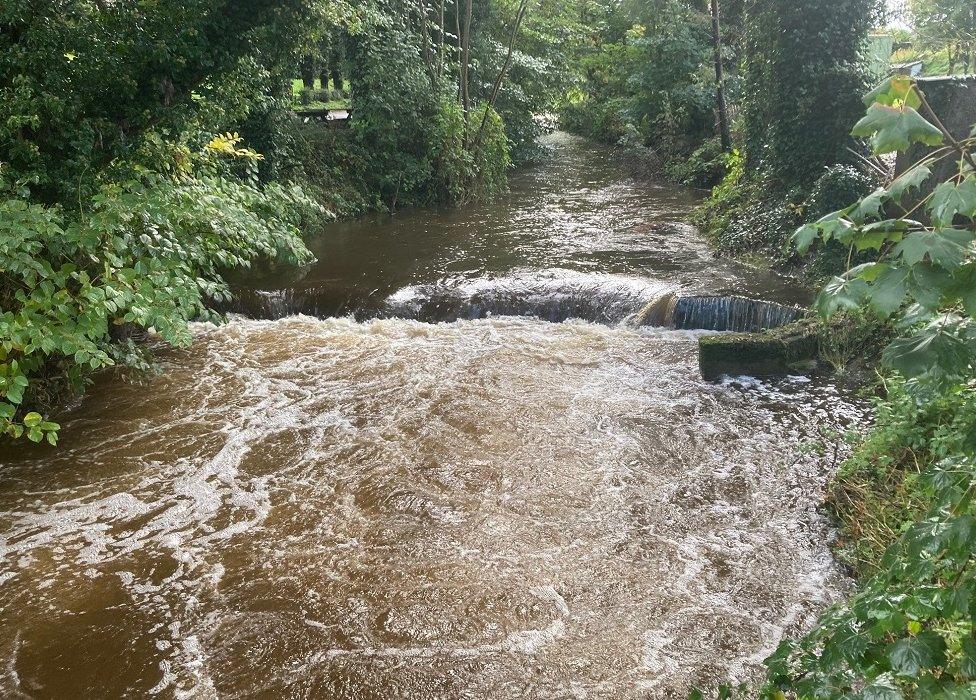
{"points": [[337, 102]]}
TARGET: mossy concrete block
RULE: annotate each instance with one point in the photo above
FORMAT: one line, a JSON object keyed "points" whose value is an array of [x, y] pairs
{"points": [[791, 349]]}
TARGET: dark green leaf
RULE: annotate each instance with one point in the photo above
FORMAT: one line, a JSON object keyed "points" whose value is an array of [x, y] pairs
{"points": [[896, 128], [911, 655], [948, 247]]}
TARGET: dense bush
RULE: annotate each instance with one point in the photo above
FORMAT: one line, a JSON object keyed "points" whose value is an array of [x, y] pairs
{"points": [[417, 143], [600, 120], [145, 253], [705, 167], [119, 208], [877, 495], [461, 172]]}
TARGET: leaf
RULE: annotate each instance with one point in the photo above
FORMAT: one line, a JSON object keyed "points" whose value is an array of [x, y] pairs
{"points": [[938, 345], [882, 688], [949, 200], [908, 180], [839, 294], [896, 128], [804, 237], [874, 236], [833, 225], [870, 206], [32, 419], [15, 394], [898, 89], [967, 659], [926, 287], [963, 287], [910, 655], [945, 247], [888, 291]]}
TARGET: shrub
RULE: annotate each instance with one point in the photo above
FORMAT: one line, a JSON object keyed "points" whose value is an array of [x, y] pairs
{"points": [[705, 167], [147, 253]]}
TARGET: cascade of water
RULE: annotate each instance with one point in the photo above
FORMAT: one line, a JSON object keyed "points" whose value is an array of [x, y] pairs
{"points": [[730, 313], [606, 299], [555, 296]]}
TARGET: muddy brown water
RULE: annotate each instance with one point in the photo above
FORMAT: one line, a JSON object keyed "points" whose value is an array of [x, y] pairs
{"points": [[364, 507]]}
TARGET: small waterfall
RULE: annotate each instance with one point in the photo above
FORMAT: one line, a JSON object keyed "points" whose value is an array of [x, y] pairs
{"points": [[657, 312], [555, 296], [606, 299], [731, 313], [321, 301]]}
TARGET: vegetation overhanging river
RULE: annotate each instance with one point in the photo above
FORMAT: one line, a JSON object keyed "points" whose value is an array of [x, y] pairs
{"points": [[363, 504]]}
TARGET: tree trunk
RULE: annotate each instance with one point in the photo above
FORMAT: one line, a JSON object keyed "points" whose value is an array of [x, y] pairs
{"points": [[723, 111], [308, 73], [466, 61], [457, 36], [440, 39], [523, 8]]}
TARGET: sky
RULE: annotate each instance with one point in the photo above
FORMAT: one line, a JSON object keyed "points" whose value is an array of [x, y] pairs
{"points": [[899, 13]]}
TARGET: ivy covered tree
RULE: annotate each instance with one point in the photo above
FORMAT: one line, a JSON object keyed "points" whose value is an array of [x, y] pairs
{"points": [[804, 76]]}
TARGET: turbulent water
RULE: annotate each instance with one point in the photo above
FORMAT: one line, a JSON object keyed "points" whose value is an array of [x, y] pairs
{"points": [[493, 508]]}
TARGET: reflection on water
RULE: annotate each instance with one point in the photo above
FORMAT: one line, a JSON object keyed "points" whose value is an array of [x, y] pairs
{"points": [[492, 508], [580, 215]]}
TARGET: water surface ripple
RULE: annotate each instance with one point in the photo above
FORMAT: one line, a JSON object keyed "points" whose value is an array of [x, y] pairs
{"points": [[492, 508]]}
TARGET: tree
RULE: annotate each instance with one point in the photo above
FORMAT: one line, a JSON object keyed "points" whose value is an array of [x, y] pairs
{"points": [[949, 26], [804, 76]]}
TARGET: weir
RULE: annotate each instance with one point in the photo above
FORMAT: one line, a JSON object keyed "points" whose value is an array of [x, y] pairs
{"points": [[731, 313], [604, 299]]}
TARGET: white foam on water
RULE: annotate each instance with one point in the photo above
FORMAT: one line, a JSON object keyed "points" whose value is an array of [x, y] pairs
{"points": [[305, 502]]}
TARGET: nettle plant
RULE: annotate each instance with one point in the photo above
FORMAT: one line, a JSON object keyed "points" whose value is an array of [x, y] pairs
{"points": [[909, 632]]}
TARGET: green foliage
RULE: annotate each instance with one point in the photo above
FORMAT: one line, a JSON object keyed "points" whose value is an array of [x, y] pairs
{"points": [[417, 143], [804, 74], [801, 86], [705, 167], [81, 83], [876, 494], [646, 72], [119, 206], [904, 502], [909, 490], [463, 172], [946, 29], [921, 274], [148, 253]]}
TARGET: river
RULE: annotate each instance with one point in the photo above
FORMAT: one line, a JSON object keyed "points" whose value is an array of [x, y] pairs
{"points": [[405, 480]]}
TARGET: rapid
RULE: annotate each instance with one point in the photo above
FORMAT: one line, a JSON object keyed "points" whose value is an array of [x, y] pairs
{"points": [[444, 462]]}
